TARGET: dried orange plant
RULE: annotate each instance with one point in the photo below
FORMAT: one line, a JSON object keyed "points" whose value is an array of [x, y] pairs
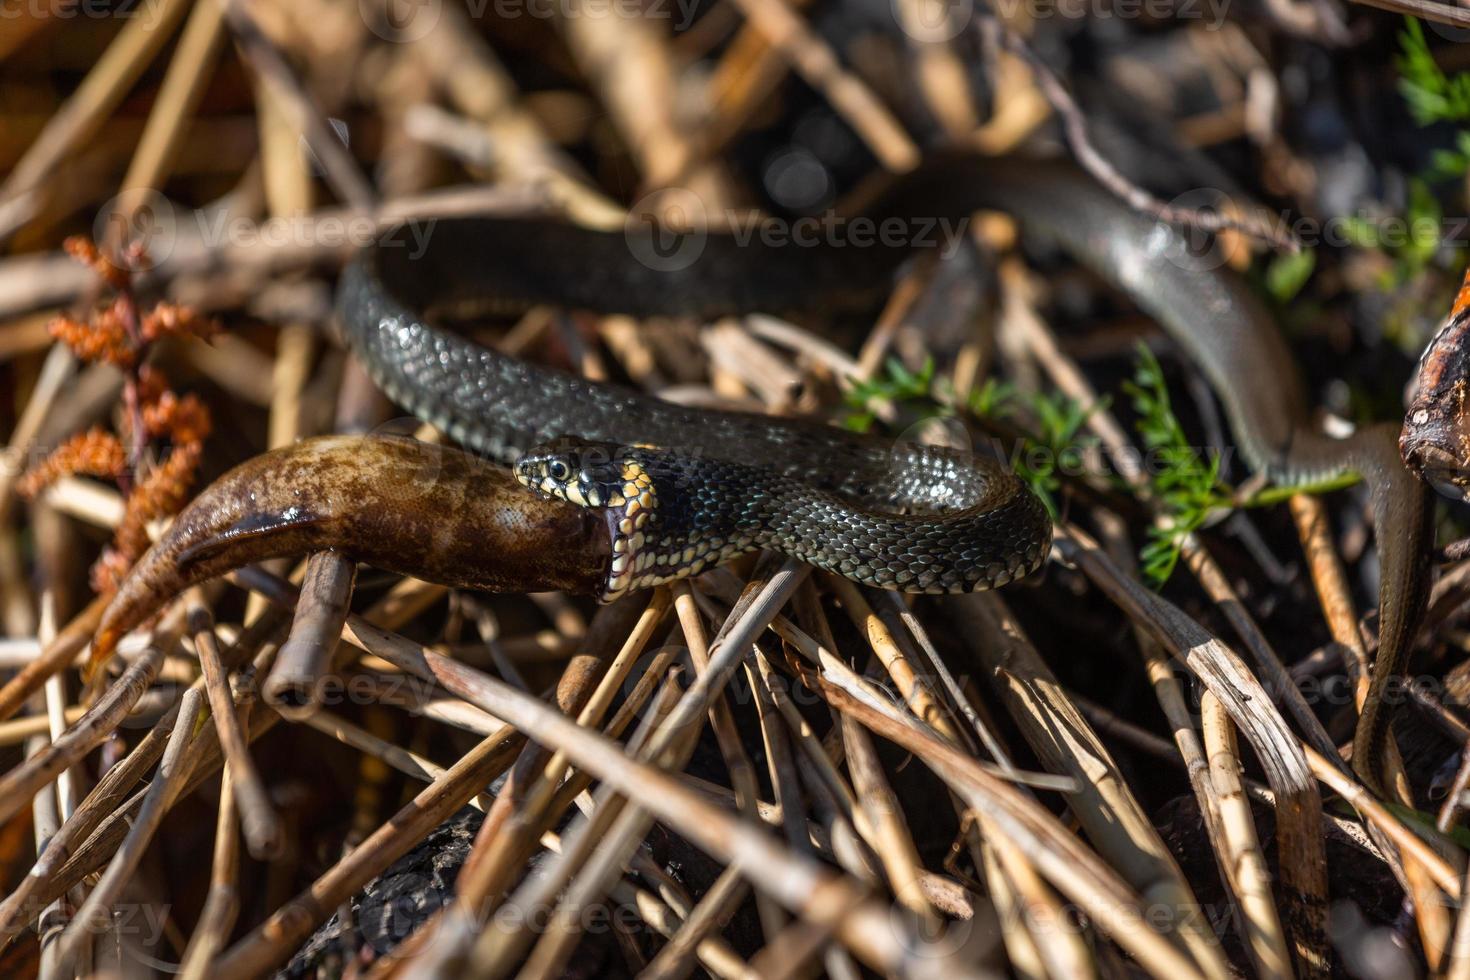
{"points": [[118, 334]]}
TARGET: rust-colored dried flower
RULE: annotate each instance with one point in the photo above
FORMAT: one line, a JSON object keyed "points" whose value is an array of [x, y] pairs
{"points": [[91, 453], [117, 334]]}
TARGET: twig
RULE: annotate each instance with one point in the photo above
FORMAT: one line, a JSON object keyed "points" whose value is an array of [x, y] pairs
{"points": [[340, 169], [815, 62], [222, 905], [183, 85], [1438, 12], [1053, 726], [258, 820], [1279, 752], [1074, 125], [161, 792], [1249, 873], [276, 939], [295, 682], [666, 748], [19, 784], [100, 92]]}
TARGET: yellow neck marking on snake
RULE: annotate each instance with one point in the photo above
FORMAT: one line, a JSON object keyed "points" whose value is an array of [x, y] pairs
{"points": [[637, 501]]}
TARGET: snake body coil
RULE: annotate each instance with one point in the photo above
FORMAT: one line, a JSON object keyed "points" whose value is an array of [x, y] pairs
{"points": [[898, 516], [892, 514]]}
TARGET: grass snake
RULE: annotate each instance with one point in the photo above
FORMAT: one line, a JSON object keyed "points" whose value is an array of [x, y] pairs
{"points": [[684, 488]]}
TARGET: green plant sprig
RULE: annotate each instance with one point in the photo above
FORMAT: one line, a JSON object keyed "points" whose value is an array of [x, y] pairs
{"points": [[896, 386], [1058, 436], [1185, 482]]}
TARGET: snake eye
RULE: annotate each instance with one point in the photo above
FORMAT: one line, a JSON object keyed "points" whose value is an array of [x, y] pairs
{"points": [[558, 470]]}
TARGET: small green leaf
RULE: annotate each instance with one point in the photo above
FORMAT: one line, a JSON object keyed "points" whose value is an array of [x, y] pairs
{"points": [[1287, 274]]}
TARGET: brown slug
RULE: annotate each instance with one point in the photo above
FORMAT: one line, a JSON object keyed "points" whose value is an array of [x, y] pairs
{"points": [[397, 504]]}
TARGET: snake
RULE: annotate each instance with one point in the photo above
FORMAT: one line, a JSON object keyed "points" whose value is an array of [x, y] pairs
{"points": [[685, 488]]}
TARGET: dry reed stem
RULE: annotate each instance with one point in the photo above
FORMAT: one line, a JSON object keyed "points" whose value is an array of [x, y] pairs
{"points": [[257, 51], [82, 849], [1330, 579], [47, 819], [888, 832], [1012, 881], [1458, 967], [295, 683], [277, 938], [1438, 12], [56, 371], [112, 824], [666, 748], [351, 874], [915, 689], [870, 804], [405, 761], [720, 583], [31, 281], [99, 93], [1439, 872], [1018, 891], [222, 905], [506, 852], [1275, 677], [1310, 902], [442, 936], [1066, 863], [737, 761], [1280, 753], [941, 74], [654, 910], [20, 906], [785, 784], [848, 96], [692, 937], [1248, 872], [541, 893], [19, 784], [14, 732], [1115, 821], [1328, 576], [627, 62], [173, 106], [805, 887], [258, 820], [596, 860], [1080, 875], [164, 788], [479, 85]]}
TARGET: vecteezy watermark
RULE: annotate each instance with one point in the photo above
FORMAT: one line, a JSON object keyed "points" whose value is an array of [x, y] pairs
{"points": [[146, 221], [1199, 250], [667, 231], [140, 923], [80, 9], [406, 21], [939, 21]]}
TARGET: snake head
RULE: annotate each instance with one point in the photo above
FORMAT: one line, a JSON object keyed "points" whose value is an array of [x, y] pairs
{"points": [[588, 474], [600, 475]]}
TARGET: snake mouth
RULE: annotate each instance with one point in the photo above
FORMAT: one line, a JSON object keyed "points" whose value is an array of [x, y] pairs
{"points": [[625, 494], [627, 514]]}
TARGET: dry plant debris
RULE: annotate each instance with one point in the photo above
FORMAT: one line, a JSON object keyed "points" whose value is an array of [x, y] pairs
{"points": [[1132, 768]]}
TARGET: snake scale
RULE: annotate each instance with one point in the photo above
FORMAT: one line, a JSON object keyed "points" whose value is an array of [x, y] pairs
{"points": [[684, 488]]}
